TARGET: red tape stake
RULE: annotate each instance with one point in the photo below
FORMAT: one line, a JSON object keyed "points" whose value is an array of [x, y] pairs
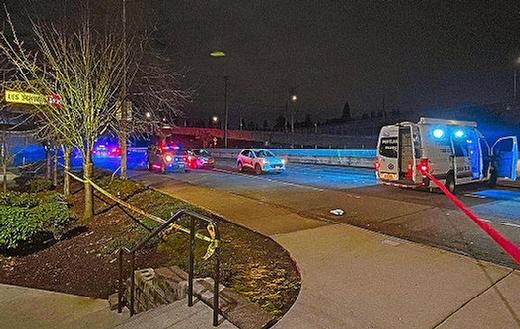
{"points": [[507, 245]]}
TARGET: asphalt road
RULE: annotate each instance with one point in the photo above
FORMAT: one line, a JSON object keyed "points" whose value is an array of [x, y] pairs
{"points": [[313, 191]]}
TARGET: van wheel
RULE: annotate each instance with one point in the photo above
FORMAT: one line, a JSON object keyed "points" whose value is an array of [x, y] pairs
{"points": [[258, 169], [450, 183], [493, 179]]}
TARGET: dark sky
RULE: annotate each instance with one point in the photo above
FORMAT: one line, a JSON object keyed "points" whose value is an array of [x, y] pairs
{"points": [[417, 54]]}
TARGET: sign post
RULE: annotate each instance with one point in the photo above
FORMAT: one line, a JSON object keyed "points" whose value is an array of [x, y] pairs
{"points": [[21, 97]]}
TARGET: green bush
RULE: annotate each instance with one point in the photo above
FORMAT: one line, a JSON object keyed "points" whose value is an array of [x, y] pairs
{"points": [[20, 200], [23, 216], [38, 184], [121, 188]]}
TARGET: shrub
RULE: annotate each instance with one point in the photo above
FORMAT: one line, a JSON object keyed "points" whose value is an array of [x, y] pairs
{"points": [[24, 216], [33, 184], [20, 200], [38, 184], [122, 188]]}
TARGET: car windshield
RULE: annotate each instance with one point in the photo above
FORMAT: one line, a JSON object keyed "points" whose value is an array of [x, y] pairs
{"points": [[201, 152], [264, 153]]}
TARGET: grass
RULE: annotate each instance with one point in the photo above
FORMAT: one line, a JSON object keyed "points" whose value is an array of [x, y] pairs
{"points": [[251, 264]]}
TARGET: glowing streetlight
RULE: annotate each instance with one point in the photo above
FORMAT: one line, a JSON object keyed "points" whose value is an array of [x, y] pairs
{"points": [[294, 98], [215, 119], [148, 115], [220, 54], [217, 53]]}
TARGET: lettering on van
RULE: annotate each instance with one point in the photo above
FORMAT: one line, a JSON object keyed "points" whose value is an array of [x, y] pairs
{"points": [[388, 147]]}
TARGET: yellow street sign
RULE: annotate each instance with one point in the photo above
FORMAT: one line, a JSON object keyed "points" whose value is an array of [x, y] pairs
{"points": [[25, 98]]}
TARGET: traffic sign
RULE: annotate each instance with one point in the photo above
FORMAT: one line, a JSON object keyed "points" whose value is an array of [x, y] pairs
{"points": [[25, 98], [21, 97]]}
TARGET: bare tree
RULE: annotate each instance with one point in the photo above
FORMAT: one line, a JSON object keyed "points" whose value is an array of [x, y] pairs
{"points": [[85, 68], [155, 92]]}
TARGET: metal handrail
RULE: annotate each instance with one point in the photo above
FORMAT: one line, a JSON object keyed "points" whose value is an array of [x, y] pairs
{"points": [[193, 216]]}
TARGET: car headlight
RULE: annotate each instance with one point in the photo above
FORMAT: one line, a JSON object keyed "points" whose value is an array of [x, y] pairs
{"points": [[264, 161], [284, 161]]}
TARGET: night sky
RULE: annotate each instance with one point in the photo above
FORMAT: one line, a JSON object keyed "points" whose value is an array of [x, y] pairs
{"points": [[415, 54]]}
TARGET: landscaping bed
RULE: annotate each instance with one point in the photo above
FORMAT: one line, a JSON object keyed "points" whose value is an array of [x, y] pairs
{"points": [[83, 261]]}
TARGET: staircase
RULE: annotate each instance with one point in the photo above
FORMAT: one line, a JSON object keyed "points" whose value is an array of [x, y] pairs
{"points": [[177, 315]]}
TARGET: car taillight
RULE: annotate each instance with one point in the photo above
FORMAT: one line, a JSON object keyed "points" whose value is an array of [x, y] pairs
{"points": [[424, 166], [168, 158], [377, 165]]}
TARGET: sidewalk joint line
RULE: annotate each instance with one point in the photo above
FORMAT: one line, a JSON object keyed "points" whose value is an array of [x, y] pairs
{"points": [[472, 298]]}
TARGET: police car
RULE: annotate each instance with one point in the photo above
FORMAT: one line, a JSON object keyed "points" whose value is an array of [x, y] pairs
{"points": [[165, 157], [452, 151]]}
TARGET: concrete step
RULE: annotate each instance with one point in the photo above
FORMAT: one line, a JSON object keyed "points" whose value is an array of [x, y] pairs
{"points": [[177, 315]]}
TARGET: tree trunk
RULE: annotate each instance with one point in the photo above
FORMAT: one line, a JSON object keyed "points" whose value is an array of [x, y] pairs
{"points": [[66, 163], [55, 167], [4, 162], [122, 147], [48, 159], [88, 213]]}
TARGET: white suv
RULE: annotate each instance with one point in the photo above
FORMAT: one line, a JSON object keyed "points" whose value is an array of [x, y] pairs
{"points": [[260, 160]]}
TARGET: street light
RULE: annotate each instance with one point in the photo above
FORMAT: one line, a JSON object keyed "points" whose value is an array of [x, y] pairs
{"points": [[294, 98], [515, 82], [215, 119], [148, 115], [219, 54]]}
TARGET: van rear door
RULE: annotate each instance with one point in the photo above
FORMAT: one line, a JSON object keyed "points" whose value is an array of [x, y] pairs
{"points": [[388, 153], [505, 153]]}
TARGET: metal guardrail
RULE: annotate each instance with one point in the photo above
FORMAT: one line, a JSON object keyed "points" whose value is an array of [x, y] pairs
{"points": [[193, 216]]}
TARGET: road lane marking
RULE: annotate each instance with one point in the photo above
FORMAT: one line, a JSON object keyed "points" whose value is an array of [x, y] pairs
{"points": [[268, 179], [510, 224]]}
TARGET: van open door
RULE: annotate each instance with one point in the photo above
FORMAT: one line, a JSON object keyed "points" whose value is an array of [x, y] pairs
{"points": [[505, 153]]}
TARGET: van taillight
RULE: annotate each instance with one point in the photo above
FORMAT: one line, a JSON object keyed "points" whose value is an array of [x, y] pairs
{"points": [[424, 166], [377, 165]]}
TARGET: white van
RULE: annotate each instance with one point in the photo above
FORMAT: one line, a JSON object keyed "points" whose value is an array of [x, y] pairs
{"points": [[454, 152]]}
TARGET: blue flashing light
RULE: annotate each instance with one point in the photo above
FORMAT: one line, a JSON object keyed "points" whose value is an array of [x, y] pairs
{"points": [[438, 133], [459, 133]]}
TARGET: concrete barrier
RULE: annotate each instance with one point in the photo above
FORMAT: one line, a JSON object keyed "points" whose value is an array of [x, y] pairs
{"points": [[361, 158]]}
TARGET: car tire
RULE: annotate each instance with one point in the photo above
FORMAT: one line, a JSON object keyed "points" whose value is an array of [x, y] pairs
{"points": [[450, 183], [258, 169], [493, 179], [240, 167]]}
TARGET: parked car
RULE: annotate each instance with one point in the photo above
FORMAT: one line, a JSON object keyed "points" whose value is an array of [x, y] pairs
{"points": [[201, 158], [105, 148], [454, 152], [165, 159], [260, 160]]}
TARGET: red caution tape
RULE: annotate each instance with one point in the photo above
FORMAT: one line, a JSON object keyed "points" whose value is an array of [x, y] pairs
{"points": [[509, 247]]}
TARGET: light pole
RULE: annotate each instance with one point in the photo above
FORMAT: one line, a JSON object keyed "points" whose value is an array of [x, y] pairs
{"points": [[294, 98], [124, 114], [221, 54], [226, 110], [515, 82]]}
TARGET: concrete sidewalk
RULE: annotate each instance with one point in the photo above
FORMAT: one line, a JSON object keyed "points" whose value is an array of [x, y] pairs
{"points": [[26, 308], [355, 278]]}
